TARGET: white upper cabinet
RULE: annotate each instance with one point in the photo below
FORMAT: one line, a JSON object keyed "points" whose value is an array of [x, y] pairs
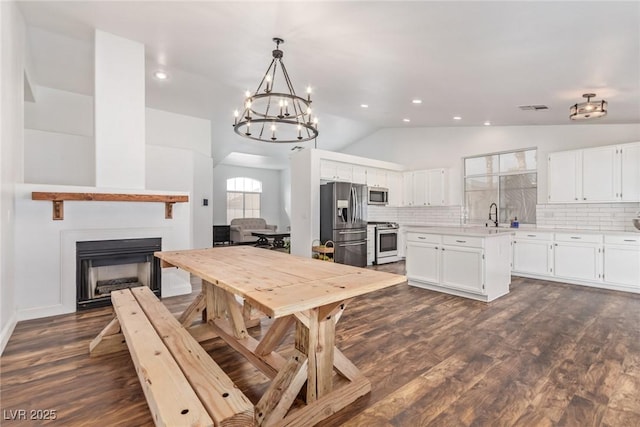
{"points": [[599, 167], [395, 186], [407, 189], [359, 174], [426, 188], [438, 187], [377, 178], [630, 172], [565, 172], [601, 174], [420, 188], [336, 171]]}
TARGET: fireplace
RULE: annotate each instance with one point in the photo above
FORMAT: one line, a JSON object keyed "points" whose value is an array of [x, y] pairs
{"points": [[103, 266]]}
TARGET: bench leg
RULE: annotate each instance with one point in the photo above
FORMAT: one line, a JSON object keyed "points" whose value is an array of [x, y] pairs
{"points": [[109, 340]]}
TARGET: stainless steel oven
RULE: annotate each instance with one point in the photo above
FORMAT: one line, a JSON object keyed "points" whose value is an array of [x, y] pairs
{"points": [[377, 196], [386, 243]]}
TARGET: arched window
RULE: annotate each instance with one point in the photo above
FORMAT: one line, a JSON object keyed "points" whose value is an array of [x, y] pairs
{"points": [[243, 198]]}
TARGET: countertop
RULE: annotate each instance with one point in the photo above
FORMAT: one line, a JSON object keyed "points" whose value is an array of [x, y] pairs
{"points": [[480, 231]]}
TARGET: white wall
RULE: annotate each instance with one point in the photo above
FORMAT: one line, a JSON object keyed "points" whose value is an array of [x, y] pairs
{"points": [[271, 205], [57, 158], [59, 150], [60, 111], [59, 143], [45, 249], [119, 72], [179, 158], [12, 46], [179, 131], [420, 148]]}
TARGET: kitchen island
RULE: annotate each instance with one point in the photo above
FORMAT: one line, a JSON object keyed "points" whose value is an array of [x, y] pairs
{"points": [[472, 262]]}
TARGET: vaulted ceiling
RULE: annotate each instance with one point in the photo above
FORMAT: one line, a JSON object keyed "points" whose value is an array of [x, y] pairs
{"points": [[477, 60]]}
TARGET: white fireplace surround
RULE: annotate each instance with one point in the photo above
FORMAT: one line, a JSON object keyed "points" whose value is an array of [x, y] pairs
{"points": [[46, 249]]}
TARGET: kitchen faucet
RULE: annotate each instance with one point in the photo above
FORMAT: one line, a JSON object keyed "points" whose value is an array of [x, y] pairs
{"points": [[494, 219]]}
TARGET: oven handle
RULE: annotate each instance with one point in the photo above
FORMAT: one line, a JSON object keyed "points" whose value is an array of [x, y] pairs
{"points": [[352, 232], [352, 244]]}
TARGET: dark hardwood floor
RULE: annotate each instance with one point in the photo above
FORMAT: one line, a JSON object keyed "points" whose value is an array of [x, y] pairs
{"points": [[547, 354]]}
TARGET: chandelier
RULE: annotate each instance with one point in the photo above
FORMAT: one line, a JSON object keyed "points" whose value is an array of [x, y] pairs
{"points": [[274, 113], [589, 109]]}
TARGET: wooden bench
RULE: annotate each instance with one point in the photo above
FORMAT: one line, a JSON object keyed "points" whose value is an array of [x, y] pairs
{"points": [[182, 384]]}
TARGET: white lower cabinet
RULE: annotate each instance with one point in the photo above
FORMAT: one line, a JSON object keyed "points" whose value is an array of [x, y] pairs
{"points": [[423, 261], [472, 267], [610, 261], [533, 253], [371, 244], [622, 261], [578, 256], [578, 261], [462, 268]]}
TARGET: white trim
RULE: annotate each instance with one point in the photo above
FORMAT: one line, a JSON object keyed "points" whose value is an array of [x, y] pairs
{"points": [[46, 311], [597, 285], [7, 331]]}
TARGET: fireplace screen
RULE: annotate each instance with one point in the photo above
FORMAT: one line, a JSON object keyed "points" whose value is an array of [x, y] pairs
{"points": [[107, 265]]}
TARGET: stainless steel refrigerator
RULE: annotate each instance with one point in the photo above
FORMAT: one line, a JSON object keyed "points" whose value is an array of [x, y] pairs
{"points": [[343, 220]]}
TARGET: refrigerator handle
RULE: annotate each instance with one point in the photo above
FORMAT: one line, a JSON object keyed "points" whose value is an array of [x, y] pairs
{"points": [[353, 202]]}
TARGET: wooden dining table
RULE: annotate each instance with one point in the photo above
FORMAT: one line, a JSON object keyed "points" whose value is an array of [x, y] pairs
{"points": [[241, 284]]}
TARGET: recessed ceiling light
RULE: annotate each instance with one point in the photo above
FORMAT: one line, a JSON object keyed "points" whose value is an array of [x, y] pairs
{"points": [[457, 118], [406, 120], [487, 123], [364, 105], [417, 101], [161, 75]]}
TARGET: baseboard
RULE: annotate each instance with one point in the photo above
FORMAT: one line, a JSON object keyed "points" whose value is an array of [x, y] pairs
{"points": [[46, 311], [6, 332], [598, 285], [183, 289]]}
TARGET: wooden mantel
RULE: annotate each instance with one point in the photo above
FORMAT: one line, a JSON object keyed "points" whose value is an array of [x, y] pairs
{"points": [[59, 198]]}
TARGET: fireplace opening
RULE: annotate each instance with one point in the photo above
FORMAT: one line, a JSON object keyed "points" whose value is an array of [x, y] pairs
{"points": [[103, 266]]}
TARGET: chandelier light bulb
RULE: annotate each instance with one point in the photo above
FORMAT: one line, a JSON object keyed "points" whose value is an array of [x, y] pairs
{"points": [[247, 94], [299, 131], [268, 86], [235, 115]]}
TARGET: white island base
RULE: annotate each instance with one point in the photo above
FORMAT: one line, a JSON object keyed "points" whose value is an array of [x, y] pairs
{"points": [[472, 263]]}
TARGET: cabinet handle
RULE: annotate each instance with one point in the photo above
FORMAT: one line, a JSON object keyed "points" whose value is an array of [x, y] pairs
{"points": [[422, 238], [461, 241], [436, 248], [443, 249], [577, 238], [630, 240], [576, 198], [531, 235], [584, 198]]}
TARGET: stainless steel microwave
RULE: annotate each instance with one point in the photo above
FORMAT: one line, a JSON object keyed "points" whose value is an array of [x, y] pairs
{"points": [[377, 196]]}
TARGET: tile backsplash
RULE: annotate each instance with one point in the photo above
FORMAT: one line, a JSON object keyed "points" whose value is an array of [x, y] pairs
{"points": [[436, 215], [585, 216], [588, 216]]}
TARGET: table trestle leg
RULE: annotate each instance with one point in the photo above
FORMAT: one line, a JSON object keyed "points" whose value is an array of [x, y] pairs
{"points": [[277, 400], [274, 336]]}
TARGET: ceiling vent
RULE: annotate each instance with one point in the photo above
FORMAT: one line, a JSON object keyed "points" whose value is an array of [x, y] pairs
{"points": [[533, 107]]}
